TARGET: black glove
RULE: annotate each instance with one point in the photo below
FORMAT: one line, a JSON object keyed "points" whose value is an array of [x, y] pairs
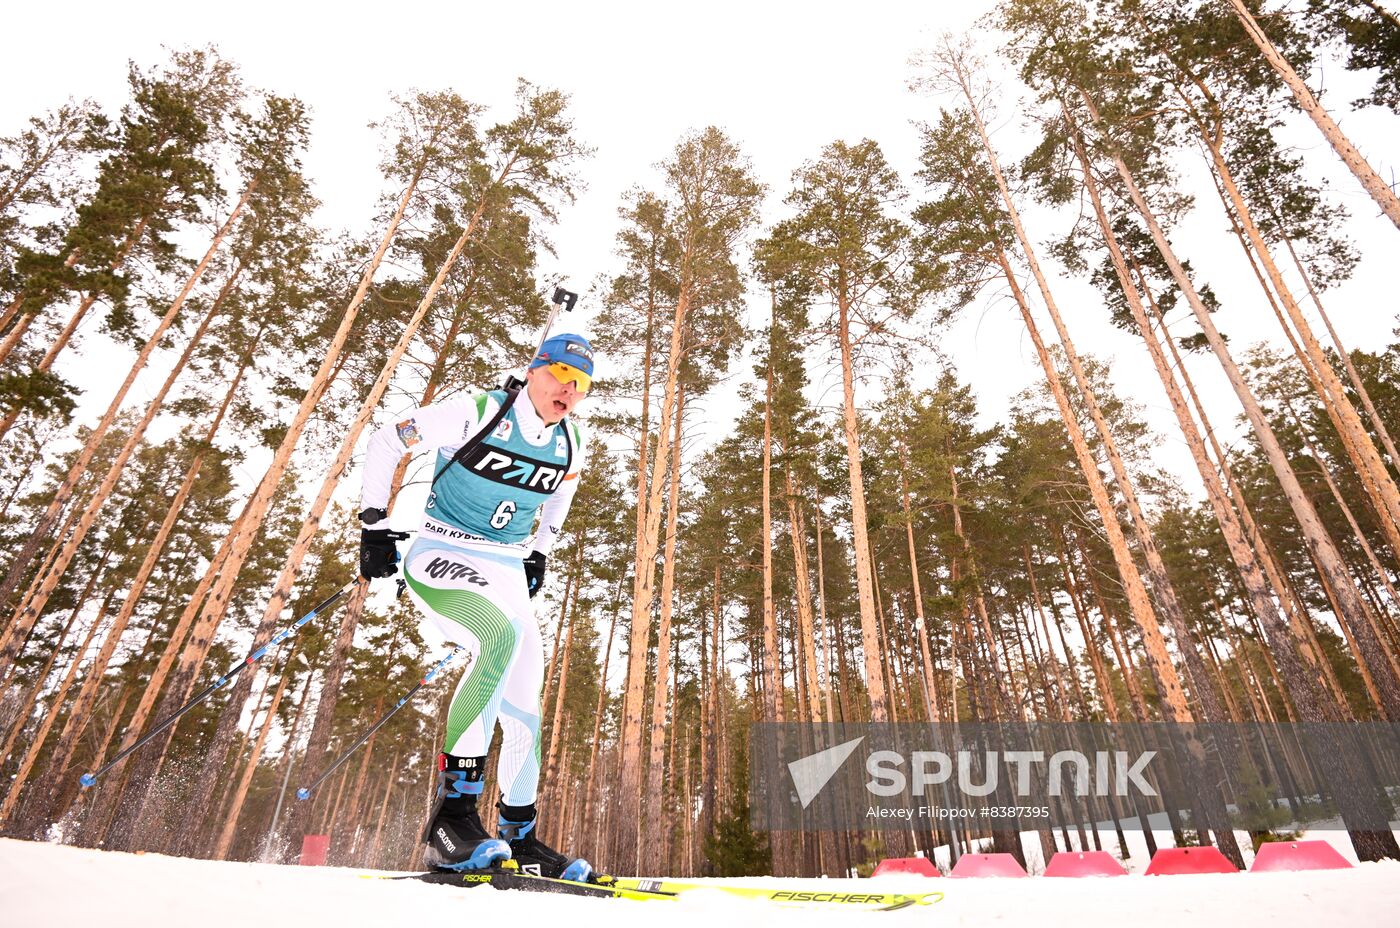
{"points": [[379, 554], [534, 572]]}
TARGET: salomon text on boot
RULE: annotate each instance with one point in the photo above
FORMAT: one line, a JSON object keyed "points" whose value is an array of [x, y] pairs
{"points": [[455, 836], [517, 825]]}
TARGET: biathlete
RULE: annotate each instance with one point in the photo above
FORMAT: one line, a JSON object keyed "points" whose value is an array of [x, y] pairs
{"points": [[476, 563]]}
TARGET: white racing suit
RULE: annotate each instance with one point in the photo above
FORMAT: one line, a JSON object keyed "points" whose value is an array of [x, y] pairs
{"points": [[464, 570]]}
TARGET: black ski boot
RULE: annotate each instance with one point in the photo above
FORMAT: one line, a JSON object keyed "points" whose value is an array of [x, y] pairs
{"points": [[517, 825], [455, 837]]}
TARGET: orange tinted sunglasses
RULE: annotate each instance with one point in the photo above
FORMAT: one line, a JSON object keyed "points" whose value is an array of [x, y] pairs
{"points": [[567, 373]]}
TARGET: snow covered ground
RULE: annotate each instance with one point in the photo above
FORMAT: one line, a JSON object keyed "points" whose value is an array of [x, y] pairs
{"points": [[49, 884]]}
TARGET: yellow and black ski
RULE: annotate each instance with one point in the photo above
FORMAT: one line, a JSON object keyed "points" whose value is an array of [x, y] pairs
{"points": [[879, 901], [503, 878], [510, 877]]}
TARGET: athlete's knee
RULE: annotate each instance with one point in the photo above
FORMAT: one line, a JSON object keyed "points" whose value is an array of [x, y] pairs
{"points": [[519, 725]]}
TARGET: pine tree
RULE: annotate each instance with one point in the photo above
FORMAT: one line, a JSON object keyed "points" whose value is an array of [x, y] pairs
{"points": [[847, 240], [268, 148], [1371, 36], [413, 154], [712, 201], [1072, 69], [159, 173], [1371, 181], [40, 170]]}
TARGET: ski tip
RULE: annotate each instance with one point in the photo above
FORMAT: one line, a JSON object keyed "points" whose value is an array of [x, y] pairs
{"points": [[87, 780], [303, 793], [904, 902]]}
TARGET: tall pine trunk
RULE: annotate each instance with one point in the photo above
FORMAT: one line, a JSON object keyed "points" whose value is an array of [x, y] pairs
{"points": [[98, 500], [62, 753], [1353, 375], [1320, 546], [1246, 562], [557, 732], [24, 619], [1162, 587], [311, 523], [25, 710], [626, 848], [1168, 683], [323, 724], [1348, 785], [219, 578], [931, 706], [1359, 447], [591, 810], [240, 790], [1299, 621], [653, 855], [1379, 190], [100, 818], [860, 532], [36, 744], [773, 706]]}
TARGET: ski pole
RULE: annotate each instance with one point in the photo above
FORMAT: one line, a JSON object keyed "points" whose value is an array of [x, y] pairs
{"points": [[305, 791], [88, 779]]}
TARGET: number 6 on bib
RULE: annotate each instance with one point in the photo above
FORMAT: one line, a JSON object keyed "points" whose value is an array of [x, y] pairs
{"points": [[502, 516]]}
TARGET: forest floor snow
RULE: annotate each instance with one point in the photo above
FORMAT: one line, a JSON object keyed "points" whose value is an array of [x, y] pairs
{"points": [[51, 884]]}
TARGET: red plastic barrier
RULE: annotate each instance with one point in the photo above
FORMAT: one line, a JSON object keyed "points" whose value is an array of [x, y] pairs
{"points": [[978, 865], [920, 866], [1084, 863], [314, 849], [1172, 861], [1298, 855]]}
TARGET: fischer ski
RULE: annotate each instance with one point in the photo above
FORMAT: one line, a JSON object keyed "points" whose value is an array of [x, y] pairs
{"points": [[883, 902], [609, 887], [510, 879]]}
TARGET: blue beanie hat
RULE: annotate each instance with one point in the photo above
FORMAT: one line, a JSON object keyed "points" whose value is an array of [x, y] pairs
{"points": [[573, 350]]}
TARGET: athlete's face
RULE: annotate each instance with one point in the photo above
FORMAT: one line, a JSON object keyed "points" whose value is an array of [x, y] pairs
{"points": [[553, 400]]}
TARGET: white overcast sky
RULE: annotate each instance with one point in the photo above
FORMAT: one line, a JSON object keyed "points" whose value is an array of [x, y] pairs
{"points": [[782, 78]]}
